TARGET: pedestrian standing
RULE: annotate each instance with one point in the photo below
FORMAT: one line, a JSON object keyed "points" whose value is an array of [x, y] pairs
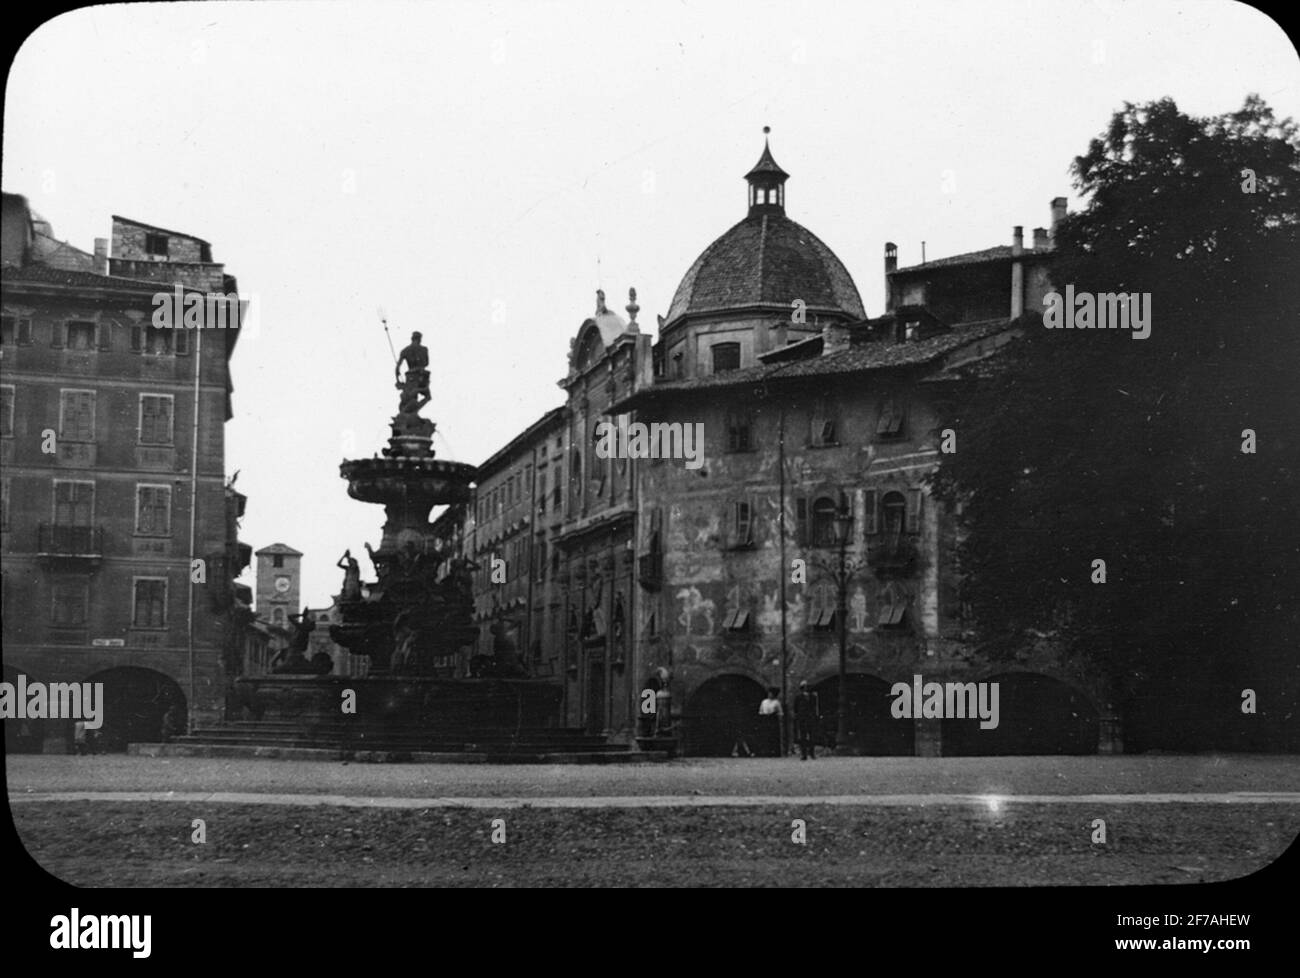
{"points": [[807, 718], [771, 717]]}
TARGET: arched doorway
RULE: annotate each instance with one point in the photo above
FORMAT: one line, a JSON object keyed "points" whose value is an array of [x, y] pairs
{"points": [[1036, 715], [716, 712], [873, 730], [26, 736], [135, 701]]}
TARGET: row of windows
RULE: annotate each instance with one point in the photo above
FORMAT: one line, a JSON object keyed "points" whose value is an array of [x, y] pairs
{"points": [[70, 602], [87, 336], [155, 418], [511, 491], [891, 612], [74, 505], [824, 431], [888, 516], [824, 428]]}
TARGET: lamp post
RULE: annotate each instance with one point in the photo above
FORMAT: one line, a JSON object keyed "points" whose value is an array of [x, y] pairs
{"points": [[843, 522]]}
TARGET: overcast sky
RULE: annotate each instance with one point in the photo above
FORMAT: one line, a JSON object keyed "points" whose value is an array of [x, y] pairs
{"points": [[479, 169]]}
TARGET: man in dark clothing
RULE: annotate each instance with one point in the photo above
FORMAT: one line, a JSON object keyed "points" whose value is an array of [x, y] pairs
{"points": [[807, 716]]}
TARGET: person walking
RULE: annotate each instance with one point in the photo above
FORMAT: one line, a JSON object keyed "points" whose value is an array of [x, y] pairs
{"points": [[771, 717], [807, 716], [741, 746]]}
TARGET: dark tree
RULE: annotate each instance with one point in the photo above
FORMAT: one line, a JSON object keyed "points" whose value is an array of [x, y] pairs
{"points": [[1086, 444]]}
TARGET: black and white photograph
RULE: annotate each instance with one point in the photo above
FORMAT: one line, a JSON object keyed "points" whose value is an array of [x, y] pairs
{"points": [[652, 445]]}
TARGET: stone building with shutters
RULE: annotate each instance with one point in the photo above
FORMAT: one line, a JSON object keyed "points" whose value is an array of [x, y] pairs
{"points": [[104, 512], [723, 575]]}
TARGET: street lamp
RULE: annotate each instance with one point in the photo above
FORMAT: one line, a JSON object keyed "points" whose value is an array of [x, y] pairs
{"points": [[843, 523]]}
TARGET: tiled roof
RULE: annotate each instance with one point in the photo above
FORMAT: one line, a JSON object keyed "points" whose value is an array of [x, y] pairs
{"points": [[884, 355], [766, 164], [859, 358], [766, 259], [998, 253], [47, 274]]}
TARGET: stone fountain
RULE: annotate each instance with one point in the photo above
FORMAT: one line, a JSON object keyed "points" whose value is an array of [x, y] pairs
{"points": [[414, 623]]}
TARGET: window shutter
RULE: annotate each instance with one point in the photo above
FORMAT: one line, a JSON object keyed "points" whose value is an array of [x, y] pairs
{"points": [[136, 333], [63, 503], [182, 342], [869, 515], [801, 520], [914, 511]]}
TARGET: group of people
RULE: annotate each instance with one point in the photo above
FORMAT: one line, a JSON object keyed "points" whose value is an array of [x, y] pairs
{"points": [[771, 718]]}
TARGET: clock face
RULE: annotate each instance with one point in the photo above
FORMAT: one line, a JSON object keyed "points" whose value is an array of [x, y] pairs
{"points": [[282, 584]]}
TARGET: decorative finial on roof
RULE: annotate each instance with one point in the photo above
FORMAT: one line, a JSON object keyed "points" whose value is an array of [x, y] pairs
{"points": [[766, 182], [600, 301], [632, 307]]}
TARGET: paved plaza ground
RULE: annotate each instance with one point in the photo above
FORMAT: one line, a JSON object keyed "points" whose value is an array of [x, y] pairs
{"points": [[128, 821]]}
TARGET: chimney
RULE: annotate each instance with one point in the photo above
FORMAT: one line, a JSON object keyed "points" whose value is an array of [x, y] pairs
{"points": [[101, 256], [1041, 240], [1058, 213], [1017, 272], [891, 264], [835, 339]]}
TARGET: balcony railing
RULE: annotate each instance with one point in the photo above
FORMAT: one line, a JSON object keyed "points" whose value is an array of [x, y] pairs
{"points": [[895, 556], [60, 540], [650, 570]]}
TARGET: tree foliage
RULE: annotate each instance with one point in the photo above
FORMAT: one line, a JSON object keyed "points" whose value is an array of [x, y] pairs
{"points": [[1089, 444]]}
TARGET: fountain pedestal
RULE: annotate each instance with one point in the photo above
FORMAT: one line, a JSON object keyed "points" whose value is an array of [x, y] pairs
{"points": [[415, 625]]}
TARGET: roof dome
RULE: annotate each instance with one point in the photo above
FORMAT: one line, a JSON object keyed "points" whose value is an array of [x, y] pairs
{"points": [[766, 260]]}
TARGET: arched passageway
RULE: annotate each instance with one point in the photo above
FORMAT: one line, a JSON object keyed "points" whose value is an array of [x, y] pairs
{"points": [[872, 729], [1036, 715], [134, 704], [717, 712]]}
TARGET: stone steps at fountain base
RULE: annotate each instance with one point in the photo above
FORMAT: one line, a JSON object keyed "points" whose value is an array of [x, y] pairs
{"points": [[340, 740], [618, 755]]}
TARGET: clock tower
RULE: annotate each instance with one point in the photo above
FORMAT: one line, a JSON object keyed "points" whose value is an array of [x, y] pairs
{"points": [[278, 583]]}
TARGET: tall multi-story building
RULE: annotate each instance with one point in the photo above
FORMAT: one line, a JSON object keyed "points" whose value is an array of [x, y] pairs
{"points": [[118, 527], [818, 425]]}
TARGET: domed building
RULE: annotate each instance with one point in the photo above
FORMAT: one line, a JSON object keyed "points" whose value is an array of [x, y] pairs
{"points": [[769, 428], [766, 282]]}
